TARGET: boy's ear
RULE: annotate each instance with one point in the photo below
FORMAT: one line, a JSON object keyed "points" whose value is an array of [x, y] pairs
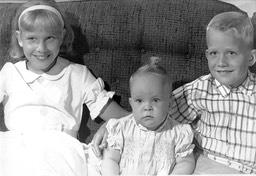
{"points": [[206, 53], [18, 36], [253, 58]]}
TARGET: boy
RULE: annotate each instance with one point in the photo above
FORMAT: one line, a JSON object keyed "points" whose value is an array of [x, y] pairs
{"points": [[221, 106]]}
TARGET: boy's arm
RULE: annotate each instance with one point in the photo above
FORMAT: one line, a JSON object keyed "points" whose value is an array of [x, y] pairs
{"points": [[110, 162], [184, 165]]}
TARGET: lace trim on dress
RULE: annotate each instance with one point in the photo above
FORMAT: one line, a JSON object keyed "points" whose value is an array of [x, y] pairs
{"points": [[186, 152], [112, 142]]}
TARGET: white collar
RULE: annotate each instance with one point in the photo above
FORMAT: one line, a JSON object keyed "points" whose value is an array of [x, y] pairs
{"points": [[30, 77]]}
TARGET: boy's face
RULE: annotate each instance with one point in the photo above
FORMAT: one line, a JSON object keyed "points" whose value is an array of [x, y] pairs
{"points": [[150, 99], [228, 57]]}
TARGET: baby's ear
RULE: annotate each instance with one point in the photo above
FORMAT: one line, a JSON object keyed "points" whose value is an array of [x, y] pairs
{"points": [[253, 57], [130, 101]]}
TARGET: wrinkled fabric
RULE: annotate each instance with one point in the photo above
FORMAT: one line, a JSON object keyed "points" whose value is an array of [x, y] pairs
{"points": [[50, 153], [149, 152], [32, 101], [42, 112]]}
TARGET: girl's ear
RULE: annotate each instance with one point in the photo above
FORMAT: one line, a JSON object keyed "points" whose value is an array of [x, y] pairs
{"points": [[18, 36], [253, 58], [63, 33]]}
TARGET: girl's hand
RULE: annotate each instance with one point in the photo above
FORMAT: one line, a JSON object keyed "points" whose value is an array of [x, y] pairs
{"points": [[99, 140], [112, 110]]}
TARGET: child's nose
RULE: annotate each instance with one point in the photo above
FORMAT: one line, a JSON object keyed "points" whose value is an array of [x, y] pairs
{"points": [[148, 107], [222, 60], [41, 47]]}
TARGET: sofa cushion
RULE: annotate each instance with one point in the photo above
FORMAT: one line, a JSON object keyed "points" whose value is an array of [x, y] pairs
{"points": [[115, 37]]}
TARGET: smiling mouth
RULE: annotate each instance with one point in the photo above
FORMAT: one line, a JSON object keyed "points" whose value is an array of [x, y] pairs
{"points": [[42, 57], [224, 72]]}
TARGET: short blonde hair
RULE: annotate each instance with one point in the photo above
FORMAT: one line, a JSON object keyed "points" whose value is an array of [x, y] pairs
{"points": [[153, 67], [236, 22]]}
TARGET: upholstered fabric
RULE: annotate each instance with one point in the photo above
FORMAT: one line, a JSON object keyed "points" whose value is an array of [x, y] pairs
{"points": [[114, 37]]}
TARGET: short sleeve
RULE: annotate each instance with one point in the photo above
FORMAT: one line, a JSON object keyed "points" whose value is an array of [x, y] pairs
{"points": [[97, 97], [115, 135], [184, 140], [182, 108]]}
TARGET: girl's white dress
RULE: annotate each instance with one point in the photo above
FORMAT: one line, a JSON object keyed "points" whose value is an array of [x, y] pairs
{"points": [[149, 152], [40, 111]]}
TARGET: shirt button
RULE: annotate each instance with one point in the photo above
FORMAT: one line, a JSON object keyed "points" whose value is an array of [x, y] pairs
{"points": [[143, 51], [97, 49]]}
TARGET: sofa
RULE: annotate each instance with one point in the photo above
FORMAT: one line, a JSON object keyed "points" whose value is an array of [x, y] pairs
{"points": [[115, 37]]}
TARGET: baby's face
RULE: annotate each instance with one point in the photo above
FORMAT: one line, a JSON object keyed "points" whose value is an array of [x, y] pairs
{"points": [[228, 57], [150, 98]]}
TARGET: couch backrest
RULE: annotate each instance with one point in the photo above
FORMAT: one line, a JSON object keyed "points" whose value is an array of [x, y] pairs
{"points": [[113, 38]]}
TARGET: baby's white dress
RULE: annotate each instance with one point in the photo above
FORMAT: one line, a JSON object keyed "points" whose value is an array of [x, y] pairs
{"points": [[42, 113], [145, 152]]}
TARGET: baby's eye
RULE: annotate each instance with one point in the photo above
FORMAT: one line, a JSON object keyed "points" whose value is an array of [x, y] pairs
{"points": [[138, 100], [156, 100]]}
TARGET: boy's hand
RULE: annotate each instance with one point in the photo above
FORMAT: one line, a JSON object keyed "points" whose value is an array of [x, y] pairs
{"points": [[99, 140]]}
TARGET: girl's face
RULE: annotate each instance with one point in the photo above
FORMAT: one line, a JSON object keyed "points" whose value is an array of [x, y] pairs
{"points": [[228, 57], [150, 98], [40, 47]]}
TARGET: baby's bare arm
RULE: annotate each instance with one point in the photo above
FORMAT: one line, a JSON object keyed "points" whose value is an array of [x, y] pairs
{"points": [[184, 165], [110, 163]]}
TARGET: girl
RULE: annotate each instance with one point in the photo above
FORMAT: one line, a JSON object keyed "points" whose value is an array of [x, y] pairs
{"points": [[43, 95], [148, 142]]}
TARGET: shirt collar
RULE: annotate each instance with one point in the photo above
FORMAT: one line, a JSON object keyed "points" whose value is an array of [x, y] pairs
{"points": [[246, 87], [30, 77], [27, 75]]}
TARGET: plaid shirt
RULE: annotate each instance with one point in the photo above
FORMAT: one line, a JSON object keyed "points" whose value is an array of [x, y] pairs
{"points": [[227, 116]]}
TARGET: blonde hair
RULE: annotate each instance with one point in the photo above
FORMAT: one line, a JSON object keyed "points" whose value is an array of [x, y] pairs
{"points": [[36, 18], [236, 22], [153, 67]]}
